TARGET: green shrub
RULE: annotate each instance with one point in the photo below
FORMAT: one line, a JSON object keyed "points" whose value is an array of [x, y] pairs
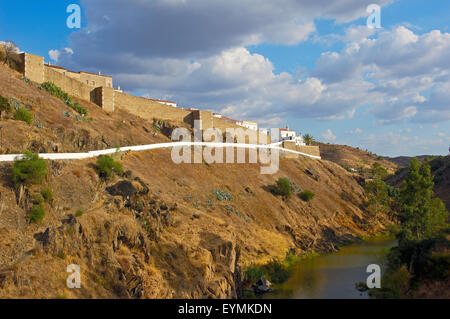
{"points": [[276, 272], [37, 214], [55, 91], [22, 114], [307, 195], [79, 109], [79, 213], [283, 187], [38, 199], [253, 274], [4, 105], [107, 167], [30, 169], [47, 194], [63, 96]]}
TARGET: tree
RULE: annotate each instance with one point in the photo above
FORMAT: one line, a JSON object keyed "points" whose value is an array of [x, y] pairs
{"points": [[107, 167], [378, 196], [379, 171], [309, 139], [307, 195], [421, 215], [30, 169], [283, 187], [10, 49], [4, 105]]}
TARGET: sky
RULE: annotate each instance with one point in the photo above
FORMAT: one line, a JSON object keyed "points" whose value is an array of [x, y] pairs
{"points": [[313, 65]]}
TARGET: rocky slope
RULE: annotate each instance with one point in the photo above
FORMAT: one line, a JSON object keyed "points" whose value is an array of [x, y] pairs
{"points": [[162, 230], [354, 159]]}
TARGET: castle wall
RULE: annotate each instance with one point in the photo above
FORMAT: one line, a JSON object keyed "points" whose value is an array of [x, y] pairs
{"points": [[33, 67], [307, 149], [149, 109], [95, 80], [99, 90], [290, 146], [104, 97], [68, 84]]}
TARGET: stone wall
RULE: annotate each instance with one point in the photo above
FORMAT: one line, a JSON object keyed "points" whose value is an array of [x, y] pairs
{"points": [[104, 97], [307, 149], [33, 67], [149, 109], [70, 85], [95, 80], [99, 90]]}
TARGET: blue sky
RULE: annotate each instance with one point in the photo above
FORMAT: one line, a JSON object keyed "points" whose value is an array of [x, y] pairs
{"points": [[311, 65]]}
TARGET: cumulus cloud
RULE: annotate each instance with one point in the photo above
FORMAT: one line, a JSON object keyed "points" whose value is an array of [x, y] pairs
{"points": [[56, 54], [172, 28], [195, 52], [329, 136], [401, 65], [396, 144]]}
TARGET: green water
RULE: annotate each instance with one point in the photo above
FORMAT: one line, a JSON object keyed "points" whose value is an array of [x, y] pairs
{"points": [[334, 275]]}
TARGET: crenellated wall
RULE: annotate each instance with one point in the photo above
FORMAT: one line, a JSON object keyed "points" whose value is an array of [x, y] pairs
{"points": [[99, 89]]}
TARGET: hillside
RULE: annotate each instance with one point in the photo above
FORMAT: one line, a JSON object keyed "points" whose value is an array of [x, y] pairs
{"points": [[57, 128], [440, 168], [162, 230], [354, 158], [403, 161], [177, 240]]}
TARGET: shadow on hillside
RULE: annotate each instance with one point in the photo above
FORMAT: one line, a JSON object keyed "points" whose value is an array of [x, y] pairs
{"points": [[5, 176], [269, 188]]}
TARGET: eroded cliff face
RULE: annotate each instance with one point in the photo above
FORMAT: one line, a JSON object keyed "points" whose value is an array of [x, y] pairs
{"points": [[160, 232]]}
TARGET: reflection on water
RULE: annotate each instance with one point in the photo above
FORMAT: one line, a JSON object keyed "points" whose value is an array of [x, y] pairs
{"points": [[334, 275]]}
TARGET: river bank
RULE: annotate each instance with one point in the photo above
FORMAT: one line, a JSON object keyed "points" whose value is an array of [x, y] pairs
{"points": [[332, 275]]}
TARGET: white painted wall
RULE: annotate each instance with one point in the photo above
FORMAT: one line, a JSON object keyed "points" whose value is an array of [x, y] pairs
{"points": [[140, 148]]}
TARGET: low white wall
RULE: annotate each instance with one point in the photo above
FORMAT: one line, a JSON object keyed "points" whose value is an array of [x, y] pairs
{"points": [[140, 148]]}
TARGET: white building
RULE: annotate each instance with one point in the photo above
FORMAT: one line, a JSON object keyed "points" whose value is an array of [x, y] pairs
{"points": [[286, 134], [250, 125], [299, 140]]}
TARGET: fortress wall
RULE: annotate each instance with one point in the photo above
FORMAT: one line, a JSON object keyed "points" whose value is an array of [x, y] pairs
{"points": [[104, 97], [95, 80], [34, 67], [223, 125], [98, 89], [108, 103], [290, 146], [68, 84], [307, 149], [70, 74], [149, 109]]}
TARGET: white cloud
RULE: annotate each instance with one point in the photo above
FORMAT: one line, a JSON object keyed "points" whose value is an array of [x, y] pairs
{"points": [[394, 144], [356, 131], [329, 136], [56, 54], [200, 59]]}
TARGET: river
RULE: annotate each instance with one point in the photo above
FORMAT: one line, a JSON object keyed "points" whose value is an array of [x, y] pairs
{"points": [[334, 275]]}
